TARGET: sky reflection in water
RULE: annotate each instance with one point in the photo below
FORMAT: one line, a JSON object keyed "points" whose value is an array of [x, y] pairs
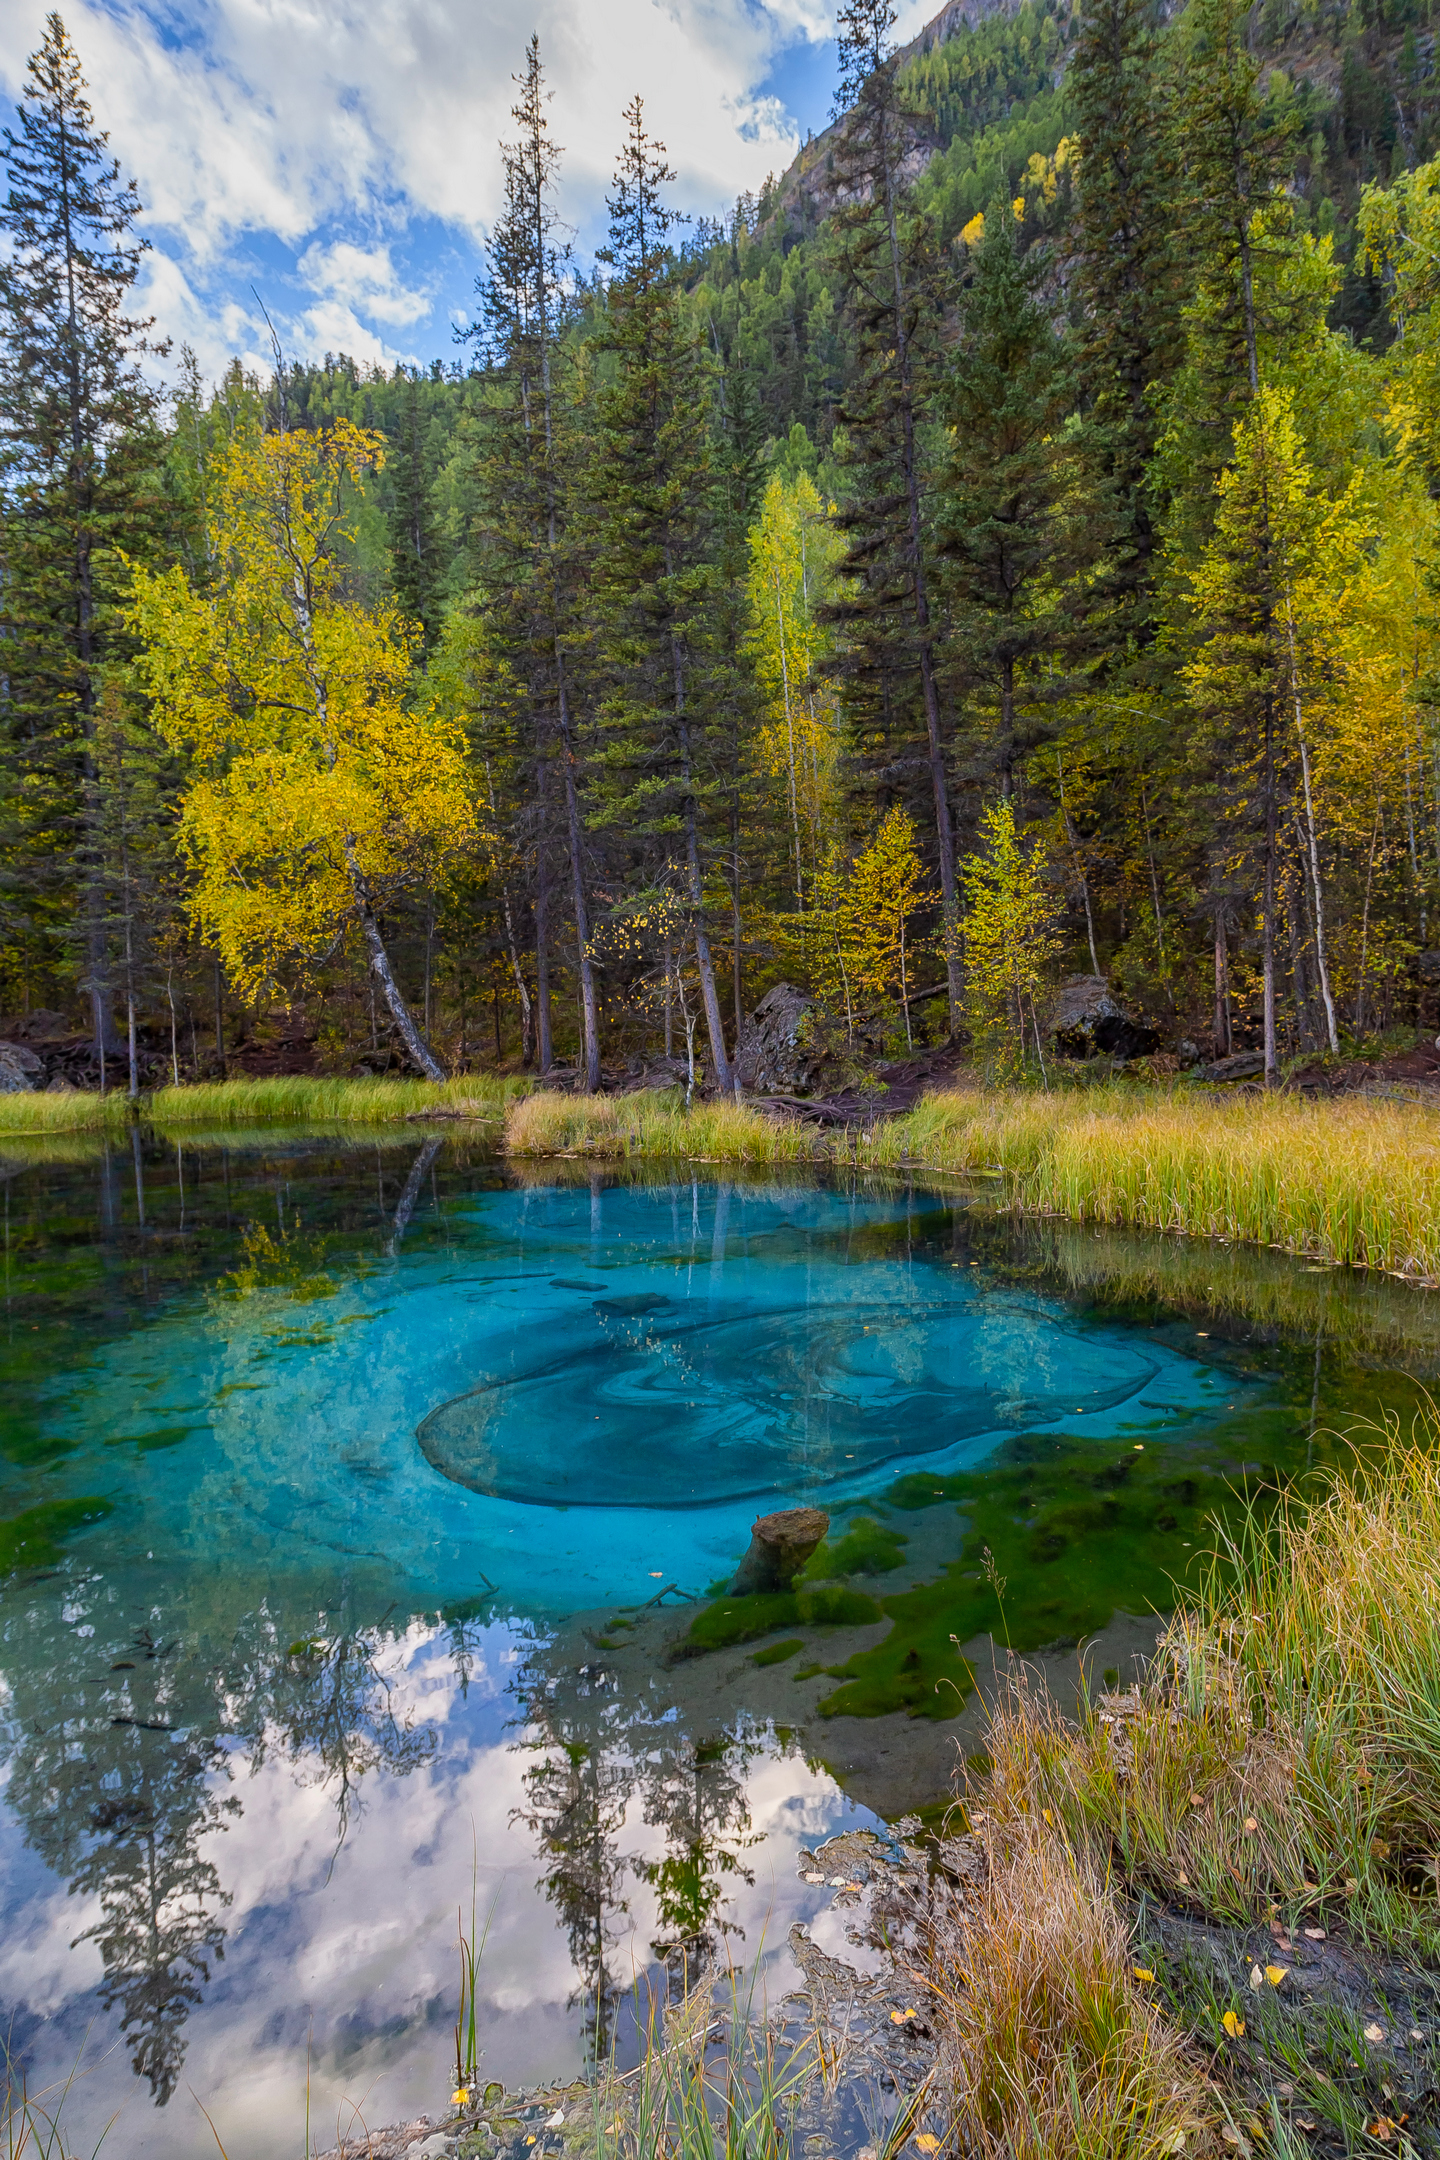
{"points": [[259, 1720]]}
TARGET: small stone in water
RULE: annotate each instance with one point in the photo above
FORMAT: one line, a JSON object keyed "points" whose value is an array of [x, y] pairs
{"points": [[814, 1878]]}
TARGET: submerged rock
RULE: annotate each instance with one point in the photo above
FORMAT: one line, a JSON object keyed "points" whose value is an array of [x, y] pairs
{"points": [[780, 1545], [1086, 1021]]}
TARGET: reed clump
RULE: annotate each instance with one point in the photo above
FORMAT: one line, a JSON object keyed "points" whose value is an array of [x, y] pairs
{"points": [[1282, 1751], [224, 1104], [1052, 2048], [653, 1121], [71, 1111]]}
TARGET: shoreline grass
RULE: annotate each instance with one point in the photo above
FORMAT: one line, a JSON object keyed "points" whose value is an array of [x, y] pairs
{"points": [[231, 1103], [1273, 1772], [1352, 1184]]}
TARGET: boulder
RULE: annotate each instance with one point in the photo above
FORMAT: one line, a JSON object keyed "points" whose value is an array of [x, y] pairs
{"points": [[784, 1044], [1086, 1021], [1245, 1065], [780, 1545], [20, 1069]]}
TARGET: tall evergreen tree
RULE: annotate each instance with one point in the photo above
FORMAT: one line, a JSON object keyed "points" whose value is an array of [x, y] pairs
{"points": [[415, 567], [665, 764], [78, 444], [1130, 334], [1018, 516], [887, 264], [532, 572]]}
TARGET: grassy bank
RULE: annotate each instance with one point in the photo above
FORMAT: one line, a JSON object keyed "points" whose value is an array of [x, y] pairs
{"points": [[1353, 1183], [223, 1104], [1212, 1908]]}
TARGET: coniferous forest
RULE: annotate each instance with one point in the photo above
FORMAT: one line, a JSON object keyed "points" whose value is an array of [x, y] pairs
{"points": [[1006, 549]]}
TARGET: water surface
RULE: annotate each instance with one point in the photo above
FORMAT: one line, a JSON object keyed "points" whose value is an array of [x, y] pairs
{"points": [[338, 1474]]}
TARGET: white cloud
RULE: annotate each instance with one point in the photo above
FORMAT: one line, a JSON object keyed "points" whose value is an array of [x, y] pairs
{"points": [[364, 278], [351, 120]]}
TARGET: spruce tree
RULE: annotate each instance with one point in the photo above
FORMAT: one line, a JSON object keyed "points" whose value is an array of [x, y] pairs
{"points": [[79, 443], [666, 777], [414, 542], [1130, 335], [889, 271], [531, 571], [1019, 518]]}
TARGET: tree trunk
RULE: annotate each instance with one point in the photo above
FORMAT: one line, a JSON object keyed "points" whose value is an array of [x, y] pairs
{"points": [[589, 1076], [400, 1012]]}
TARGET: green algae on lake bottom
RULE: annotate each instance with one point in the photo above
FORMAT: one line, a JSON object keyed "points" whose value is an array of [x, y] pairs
{"points": [[213, 1573]]}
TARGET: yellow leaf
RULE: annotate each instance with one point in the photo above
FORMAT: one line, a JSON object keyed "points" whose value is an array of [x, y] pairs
{"points": [[1142, 1972], [1233, 2023], [1276, 1973], [926, 2143], [459, 2097], [1046, 1812]]}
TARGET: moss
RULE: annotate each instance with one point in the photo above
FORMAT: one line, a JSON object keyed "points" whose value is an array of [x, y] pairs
{"points": [[833, 1604], [867, 1548], [736, 1620], [34, 1539], [1078, 1529], [778, 1652]]}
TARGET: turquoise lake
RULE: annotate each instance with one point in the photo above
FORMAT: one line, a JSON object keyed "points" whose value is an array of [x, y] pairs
{"points": [[340, 1473]]}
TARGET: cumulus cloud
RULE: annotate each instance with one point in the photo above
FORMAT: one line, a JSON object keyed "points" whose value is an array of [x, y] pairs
{"points": [[335, 125]]}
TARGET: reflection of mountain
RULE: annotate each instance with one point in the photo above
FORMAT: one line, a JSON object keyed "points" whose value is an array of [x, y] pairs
{"points": [[595, 1754], [121, 1741]]}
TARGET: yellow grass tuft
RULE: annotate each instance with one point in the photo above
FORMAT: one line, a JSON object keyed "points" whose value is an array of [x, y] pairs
{"points": [[1283, 1748], [652, 1122], [1052, 2046], [233, 1103]]}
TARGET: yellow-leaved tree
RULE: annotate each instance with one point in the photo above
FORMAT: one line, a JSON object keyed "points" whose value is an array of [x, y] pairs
{"points": [[1011, 932], [321, 791], [863, 940], [793, 553]]}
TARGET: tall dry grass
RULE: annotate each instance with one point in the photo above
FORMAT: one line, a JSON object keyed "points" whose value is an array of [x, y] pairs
{"points": [[1353, 1183], [1051, 2046], [653, 1122], [218, 1105], [1283, 1748]]}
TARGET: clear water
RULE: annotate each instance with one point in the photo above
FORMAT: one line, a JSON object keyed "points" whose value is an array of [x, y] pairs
{"points": [[359, 1430]]}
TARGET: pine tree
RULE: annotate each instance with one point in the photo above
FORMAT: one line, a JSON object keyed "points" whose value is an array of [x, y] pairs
{"points": [[654, 582], [78, 430], [1130, 335], [1019, 520], [531, 572], [886, 259], [414, 542]]}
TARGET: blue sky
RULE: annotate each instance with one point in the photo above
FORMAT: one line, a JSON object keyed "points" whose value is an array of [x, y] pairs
{"points": [[340, 155]]}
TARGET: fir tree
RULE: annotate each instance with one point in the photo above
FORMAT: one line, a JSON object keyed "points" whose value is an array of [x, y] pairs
{"points": [[1130, 335], [665, 764], [1018, 519], [415, 567], [886, 259], [531, 572], [77, 426]]}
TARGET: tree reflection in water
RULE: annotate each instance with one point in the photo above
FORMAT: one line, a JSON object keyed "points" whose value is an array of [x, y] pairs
{"points": [[122, 1745], [596, 1753]]}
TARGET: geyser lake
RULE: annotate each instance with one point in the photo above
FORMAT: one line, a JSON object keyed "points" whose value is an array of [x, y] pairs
{"points": [[339, 1474]]}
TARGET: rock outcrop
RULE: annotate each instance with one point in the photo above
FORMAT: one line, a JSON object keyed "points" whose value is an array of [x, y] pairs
{"points": [[1087, 1021], [786, 1044], [20, 1069]]}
